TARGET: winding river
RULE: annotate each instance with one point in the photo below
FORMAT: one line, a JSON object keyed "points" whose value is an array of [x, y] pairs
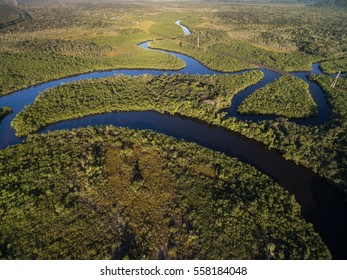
{"points": [[322, 204]]}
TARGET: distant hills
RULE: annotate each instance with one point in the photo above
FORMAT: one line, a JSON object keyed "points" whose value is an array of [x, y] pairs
{"points": [[10, 13], [10, 2], [340, 3], [336, 3]]}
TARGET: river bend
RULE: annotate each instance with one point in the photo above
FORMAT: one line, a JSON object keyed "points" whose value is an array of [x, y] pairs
{"points": [[322, 204]]}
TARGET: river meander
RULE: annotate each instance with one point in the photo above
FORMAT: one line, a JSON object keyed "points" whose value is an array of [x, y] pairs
{"points": [[322, 204]]}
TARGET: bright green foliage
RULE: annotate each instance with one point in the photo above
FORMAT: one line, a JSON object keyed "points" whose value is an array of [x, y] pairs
{"points": [[165, 26], [118, 193], [218, 52], [65, 40], [288, 96], [39, 61], [197, 96], [285, 37], [4, 111]]}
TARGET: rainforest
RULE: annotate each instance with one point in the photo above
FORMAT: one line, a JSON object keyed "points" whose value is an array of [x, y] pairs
{"points": [[173, 130]]}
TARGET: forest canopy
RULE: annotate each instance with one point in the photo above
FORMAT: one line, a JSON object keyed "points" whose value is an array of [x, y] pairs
{"points": [[112, 193]]}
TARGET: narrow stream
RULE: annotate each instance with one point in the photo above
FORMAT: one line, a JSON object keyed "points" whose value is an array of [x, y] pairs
{"points": [[322, 204]]}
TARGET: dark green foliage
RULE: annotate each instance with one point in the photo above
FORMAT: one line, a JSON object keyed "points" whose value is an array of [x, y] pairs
{"points": [[197, 96], [323, 148], [334, 66], [337, 96], [314, 31], [288, 96], [206, 98], [83, 49], [15, 73], [119, 193], [4, 111], [284, 37]]}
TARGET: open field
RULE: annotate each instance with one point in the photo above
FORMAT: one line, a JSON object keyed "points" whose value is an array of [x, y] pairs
{"points": [[279, 37], [68, 39]]}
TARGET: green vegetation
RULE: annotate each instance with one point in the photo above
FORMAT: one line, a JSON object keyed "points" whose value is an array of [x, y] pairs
{"points": [[74, 38], [203, 97], [101, 193], [310, 30], [66, 58], [44, 66], [282, 37], [320, 148], [64, 40], [124, 194], [288, 96], [4, 111], [218, 52], [337, 97], [163, 26], [334, 66]]}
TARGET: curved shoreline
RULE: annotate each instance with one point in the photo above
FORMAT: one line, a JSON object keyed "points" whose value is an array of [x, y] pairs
{"points": [[321, 203]]}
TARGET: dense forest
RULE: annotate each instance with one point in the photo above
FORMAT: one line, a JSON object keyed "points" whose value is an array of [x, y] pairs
{"points": [[331, 66], [112, 193], [288, 96], [4, 111], [197, 96], [282, 38], [320, 148], [337, 96]]}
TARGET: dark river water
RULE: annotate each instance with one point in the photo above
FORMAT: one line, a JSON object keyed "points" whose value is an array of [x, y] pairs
{"points": [[322, 204]]}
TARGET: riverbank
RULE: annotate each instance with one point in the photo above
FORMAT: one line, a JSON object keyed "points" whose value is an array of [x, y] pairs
{"points": [[273, 140], [173, 199]]}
